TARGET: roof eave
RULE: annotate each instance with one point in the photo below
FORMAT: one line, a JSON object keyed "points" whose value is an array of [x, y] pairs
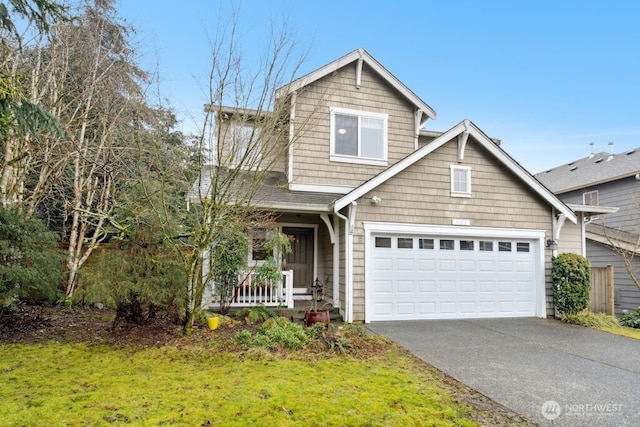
{"points": [[600, 210], [373, 63], [486, 142]]}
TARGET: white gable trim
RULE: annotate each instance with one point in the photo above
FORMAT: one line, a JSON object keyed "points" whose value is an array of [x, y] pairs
{"points": [[359, 55], [449, 135]]}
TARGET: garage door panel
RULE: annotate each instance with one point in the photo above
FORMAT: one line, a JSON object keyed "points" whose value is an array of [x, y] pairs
{"points": [[383, 286], [447, 286], [383, 264], [468, 286], [406, 308], [467, 266], [447, 307], [426, 308], [486, 286], [406, 286], [426, 266], [447, 265], [417, 282], [426, 286]]}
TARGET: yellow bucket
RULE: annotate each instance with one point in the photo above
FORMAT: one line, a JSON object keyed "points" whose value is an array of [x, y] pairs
{"points": [[213, 322]]}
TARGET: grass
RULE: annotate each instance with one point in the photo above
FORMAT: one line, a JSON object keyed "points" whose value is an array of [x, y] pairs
{"points": [[601, 321], [82, 384]]}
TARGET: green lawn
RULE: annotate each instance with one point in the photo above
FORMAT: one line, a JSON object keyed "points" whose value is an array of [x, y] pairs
{"points": [[81, 385]]}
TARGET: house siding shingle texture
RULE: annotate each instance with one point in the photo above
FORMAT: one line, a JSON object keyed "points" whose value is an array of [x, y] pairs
{"points": [[421, 195], [311, 154], [627, 295]]}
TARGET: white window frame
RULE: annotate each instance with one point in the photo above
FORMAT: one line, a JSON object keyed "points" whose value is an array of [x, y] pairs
{"points": [[467, 191], [591, 194], [358, 159], [240, 141], [267, 235]]}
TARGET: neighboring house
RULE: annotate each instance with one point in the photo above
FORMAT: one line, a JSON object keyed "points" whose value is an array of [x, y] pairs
{"points": [[608, 186], [402, 222]]}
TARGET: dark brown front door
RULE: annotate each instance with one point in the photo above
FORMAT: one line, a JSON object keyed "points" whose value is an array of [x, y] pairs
{"points": [[300, 260]]}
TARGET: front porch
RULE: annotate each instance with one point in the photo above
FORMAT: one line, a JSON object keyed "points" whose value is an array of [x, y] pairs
{"points": [[316, 255]]}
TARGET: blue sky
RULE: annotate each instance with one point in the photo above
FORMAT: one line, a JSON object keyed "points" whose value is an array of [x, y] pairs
{"points": [[545, 77]]}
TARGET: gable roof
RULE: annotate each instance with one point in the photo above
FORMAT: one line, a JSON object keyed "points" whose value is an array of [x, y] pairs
{"points": [[482, 139], [358, 54], [595, 169]]}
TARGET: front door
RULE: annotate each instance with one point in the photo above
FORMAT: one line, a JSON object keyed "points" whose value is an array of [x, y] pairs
{"points": [[300, 260]]}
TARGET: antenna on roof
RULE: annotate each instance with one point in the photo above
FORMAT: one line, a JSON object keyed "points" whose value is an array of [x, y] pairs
{"points": [[610, 151], [591, 149]]}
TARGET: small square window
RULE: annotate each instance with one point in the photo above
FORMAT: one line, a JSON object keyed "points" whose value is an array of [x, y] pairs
{"points": [[425, 243], [504, 246], [405, 243], [522, 247], [383, 242], [590, 198], [486, 245], [447, 245], [466, 245]]}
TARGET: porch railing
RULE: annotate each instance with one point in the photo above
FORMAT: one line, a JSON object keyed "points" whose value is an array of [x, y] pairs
{"points": [[270, 295]]}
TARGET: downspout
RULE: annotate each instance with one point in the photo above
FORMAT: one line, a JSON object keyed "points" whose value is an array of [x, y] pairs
{"points": [[349, 222]]}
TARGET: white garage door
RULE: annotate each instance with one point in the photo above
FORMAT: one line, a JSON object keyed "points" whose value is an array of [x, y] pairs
{"points": [[440, 277]]}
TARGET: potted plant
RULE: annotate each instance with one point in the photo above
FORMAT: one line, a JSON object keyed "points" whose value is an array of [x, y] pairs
{"points": [[315, 314]]}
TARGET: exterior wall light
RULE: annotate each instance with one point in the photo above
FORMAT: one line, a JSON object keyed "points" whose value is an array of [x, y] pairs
{"points": [[375, 200], [552, 244]]}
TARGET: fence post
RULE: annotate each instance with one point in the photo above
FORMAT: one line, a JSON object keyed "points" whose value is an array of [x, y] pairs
{"points": [[610, 292]]}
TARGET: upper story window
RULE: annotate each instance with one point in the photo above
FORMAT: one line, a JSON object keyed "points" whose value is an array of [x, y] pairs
{"points": [[590, 198], [358, 137], [460, 181], [244, 146]]}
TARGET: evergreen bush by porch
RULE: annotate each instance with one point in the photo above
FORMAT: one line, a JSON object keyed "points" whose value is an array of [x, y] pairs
{"points": [[571, 276]]}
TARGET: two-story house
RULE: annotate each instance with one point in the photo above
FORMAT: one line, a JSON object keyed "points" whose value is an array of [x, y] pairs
{"points": [[401, 222], [608, 185]]}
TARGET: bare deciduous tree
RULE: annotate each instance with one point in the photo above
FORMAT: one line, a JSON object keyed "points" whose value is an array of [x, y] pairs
{"points": [[246, 134]]}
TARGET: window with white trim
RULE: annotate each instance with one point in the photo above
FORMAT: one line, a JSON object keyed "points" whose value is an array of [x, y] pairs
{"points": [[590, 198], [258, 252], [460, 181], [358, 136], [244, 146]]}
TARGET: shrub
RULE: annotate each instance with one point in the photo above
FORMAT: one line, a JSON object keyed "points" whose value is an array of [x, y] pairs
{"points": [[571, 275], [31, 264], [631, 319], [590, 319], [138, 276], [274, 332], [255, 314]]}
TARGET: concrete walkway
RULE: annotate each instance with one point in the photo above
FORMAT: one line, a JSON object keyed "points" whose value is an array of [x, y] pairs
{"points": [[554, 373]]}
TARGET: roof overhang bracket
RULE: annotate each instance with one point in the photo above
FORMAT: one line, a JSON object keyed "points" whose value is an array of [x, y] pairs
{"points": [[332, 234], [462, 143], [558, 222], [418, 121]]}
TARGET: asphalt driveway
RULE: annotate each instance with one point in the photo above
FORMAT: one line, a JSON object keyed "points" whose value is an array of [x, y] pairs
{"points": [[554, 373]]}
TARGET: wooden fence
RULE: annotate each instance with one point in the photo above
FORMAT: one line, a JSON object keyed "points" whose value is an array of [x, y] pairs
{"points": [[601, 296]]}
